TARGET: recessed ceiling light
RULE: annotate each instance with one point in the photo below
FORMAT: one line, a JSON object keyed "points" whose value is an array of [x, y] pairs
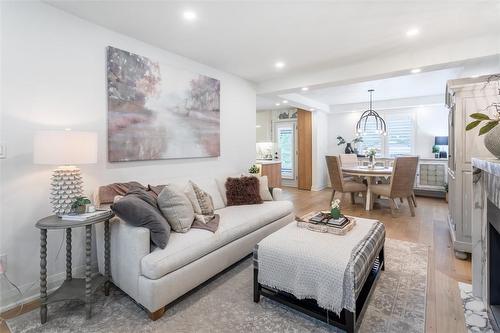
{"points": [[305, 88], [189, 15], [412, 32], [258, 126], [279, 64], [416, 70], [312, 109], [475, 76], [277, 104], [285, 101]]}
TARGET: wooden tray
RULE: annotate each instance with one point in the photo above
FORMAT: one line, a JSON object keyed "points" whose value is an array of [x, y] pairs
{"points": [[317, 227]]}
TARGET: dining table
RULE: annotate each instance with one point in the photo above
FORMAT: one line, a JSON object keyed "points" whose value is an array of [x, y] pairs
{"points": [[370, 173]]}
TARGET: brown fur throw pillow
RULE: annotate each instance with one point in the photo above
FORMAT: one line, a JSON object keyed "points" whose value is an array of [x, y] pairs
{"points": [[243, 191]]}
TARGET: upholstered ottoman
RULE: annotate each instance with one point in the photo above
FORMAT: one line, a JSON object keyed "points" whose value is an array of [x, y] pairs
{"points": [[329, 277]]}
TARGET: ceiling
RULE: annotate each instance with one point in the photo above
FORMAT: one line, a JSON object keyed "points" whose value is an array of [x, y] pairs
{"points": [[406, 86], [248, 38], [416, 85]]}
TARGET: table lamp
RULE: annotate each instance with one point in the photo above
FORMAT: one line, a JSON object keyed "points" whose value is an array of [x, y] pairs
{"points": [[65, 149]]}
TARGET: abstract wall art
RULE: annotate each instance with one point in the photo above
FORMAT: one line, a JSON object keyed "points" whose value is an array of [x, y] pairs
{"points": [[156, 111]]}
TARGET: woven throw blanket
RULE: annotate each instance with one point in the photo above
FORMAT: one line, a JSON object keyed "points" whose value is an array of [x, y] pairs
{"points": [[310, 264]]}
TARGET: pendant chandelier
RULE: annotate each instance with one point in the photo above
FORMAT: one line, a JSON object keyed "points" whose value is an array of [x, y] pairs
{"points": [[381, 127]]}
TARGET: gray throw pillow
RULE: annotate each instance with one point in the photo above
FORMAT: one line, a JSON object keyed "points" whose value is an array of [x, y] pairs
{"points": [[139, 209], [176, 208]]}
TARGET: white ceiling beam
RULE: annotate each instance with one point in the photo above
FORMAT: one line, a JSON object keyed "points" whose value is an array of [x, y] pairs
{"points": [[433, 58], [303, 102]]}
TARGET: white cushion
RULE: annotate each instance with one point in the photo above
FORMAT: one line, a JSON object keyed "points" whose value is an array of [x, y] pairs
{"points": [[176, 208], [235, 222], [264, 189]]}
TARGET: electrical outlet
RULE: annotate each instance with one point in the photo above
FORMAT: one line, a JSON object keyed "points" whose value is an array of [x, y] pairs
{"points": [[3, 263]]}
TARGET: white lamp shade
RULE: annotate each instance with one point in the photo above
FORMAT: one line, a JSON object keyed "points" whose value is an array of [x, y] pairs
{"points": [[65, 147]]}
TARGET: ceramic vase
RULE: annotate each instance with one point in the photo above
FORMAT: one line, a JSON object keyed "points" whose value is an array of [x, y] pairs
{"points": [[348, 149], [492, 141]]}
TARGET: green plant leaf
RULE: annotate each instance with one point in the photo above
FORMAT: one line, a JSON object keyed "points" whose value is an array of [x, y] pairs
{"points": [[488, 127], [480, 116], [472, 125]]}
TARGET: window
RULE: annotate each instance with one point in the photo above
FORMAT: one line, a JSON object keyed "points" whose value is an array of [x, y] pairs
{"points": [[399, 139], [371, 138]]}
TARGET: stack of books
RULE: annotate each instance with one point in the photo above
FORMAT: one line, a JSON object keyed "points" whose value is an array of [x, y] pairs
{"points": [[86, 216], [327, 219]]}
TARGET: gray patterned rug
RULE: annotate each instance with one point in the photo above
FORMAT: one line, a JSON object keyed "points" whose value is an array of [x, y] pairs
{"points": [[225, 304]]}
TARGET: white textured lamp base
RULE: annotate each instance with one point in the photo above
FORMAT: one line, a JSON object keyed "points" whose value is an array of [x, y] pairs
{"points": [[66, 187]]}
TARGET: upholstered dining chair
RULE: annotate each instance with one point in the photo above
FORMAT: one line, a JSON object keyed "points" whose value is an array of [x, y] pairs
{"points": [[339, 183], [401, 183], [348, 160]]}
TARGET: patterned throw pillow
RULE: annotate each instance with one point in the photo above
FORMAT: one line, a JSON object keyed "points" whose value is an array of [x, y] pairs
{"points": [[204, 200]]}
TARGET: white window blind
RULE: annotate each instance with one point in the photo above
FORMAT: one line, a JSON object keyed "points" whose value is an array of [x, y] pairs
{"points": [[399, 139], [371, 138]]}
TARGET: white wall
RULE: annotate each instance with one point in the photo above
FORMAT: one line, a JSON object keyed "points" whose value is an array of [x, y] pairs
{"points": [[320, 147], [431, 120], [53, 76]]}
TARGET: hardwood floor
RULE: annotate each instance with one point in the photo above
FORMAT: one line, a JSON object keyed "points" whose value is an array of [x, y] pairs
{"points": [[429, 226], [444, 307]]}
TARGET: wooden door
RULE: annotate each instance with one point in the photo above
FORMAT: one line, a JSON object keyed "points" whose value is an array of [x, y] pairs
{"points": [[304, 136]]}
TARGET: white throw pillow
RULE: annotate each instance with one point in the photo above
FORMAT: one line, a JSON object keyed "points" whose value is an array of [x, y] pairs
{"points": [[176, 207], [264, 189], [191, 195]]}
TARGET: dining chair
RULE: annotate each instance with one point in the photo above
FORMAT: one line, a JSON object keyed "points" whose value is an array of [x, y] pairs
{"points": [[339, 183], [348, 160], [401, 183]]}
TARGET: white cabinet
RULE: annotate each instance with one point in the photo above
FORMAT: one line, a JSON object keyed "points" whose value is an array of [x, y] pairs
{"points": [[464, 97], [431, 174]]}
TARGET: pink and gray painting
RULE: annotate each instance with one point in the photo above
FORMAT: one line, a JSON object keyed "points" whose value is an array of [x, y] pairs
{"points": [[156, 111]]}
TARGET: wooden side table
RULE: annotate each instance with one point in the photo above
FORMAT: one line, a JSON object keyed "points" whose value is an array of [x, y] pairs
{"points": [[72, 288]]}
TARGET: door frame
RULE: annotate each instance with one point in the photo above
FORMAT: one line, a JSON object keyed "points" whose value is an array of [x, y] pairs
{"points": [[286, 181]]}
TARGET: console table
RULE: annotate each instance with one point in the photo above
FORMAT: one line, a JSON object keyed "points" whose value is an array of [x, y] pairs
{"points": [[73, 288]]}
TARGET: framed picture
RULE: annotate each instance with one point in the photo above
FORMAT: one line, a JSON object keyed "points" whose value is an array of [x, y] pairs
{"points": [[156, 111]]}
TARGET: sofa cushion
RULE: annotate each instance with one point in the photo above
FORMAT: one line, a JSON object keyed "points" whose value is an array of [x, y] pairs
{"points": [[243, 191], [235, 222], [139, 209], [176, 208]]}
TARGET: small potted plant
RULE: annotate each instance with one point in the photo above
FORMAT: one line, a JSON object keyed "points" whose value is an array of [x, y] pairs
{"points": [[335, 209], [435, 151], [254, 170], [79, 206], [370, 153]]}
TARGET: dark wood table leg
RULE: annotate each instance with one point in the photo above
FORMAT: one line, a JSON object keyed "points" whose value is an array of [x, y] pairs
{"points": [[43, 275], [69, 274], [256, 286], [88, 276], [106, 257]]}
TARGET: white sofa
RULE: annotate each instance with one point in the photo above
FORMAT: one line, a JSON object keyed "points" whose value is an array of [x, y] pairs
{"points": [[156, 278]]}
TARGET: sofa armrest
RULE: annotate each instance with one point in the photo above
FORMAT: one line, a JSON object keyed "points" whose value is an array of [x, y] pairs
{"points": [[277, 194], [128, 246]]}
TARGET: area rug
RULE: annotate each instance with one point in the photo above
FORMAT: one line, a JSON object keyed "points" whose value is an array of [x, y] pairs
{"points": [[476, 317], [225, 304]]}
